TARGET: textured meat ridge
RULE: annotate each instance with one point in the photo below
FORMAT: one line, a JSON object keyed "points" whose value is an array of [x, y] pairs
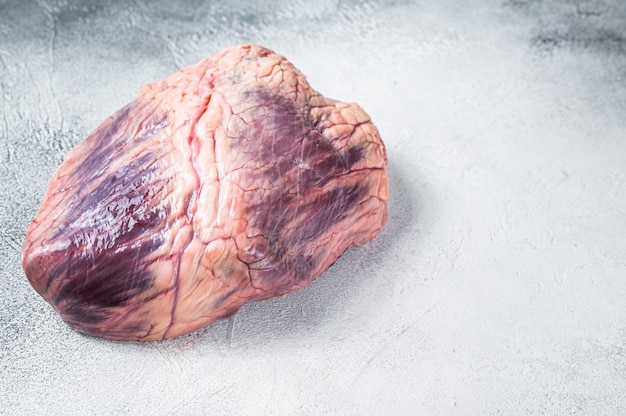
{"points": [[231, 181]]}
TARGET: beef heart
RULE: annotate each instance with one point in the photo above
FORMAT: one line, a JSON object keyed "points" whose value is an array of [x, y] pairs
{"points": [[231, 181]]}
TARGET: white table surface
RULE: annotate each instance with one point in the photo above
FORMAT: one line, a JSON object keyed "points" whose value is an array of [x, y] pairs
{"points": [[499, 283]]}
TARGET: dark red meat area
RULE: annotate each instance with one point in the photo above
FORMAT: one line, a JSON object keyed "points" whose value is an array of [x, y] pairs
{"points": [[229, 182]]}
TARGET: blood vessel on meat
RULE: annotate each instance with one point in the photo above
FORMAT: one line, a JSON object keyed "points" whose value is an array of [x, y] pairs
{"points": [[231, 181]]}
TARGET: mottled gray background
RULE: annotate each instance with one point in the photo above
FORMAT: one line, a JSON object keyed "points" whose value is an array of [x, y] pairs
{"points": [[499, 284]]}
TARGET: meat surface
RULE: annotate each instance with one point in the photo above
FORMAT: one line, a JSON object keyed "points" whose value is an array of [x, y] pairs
{"points": [[231, 181]]}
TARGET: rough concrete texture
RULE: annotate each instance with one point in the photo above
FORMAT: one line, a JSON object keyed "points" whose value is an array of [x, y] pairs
{"points": [[499, 283]]}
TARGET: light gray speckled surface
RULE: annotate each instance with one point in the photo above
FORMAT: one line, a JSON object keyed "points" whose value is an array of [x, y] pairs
{"points": [[499, 284]]}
